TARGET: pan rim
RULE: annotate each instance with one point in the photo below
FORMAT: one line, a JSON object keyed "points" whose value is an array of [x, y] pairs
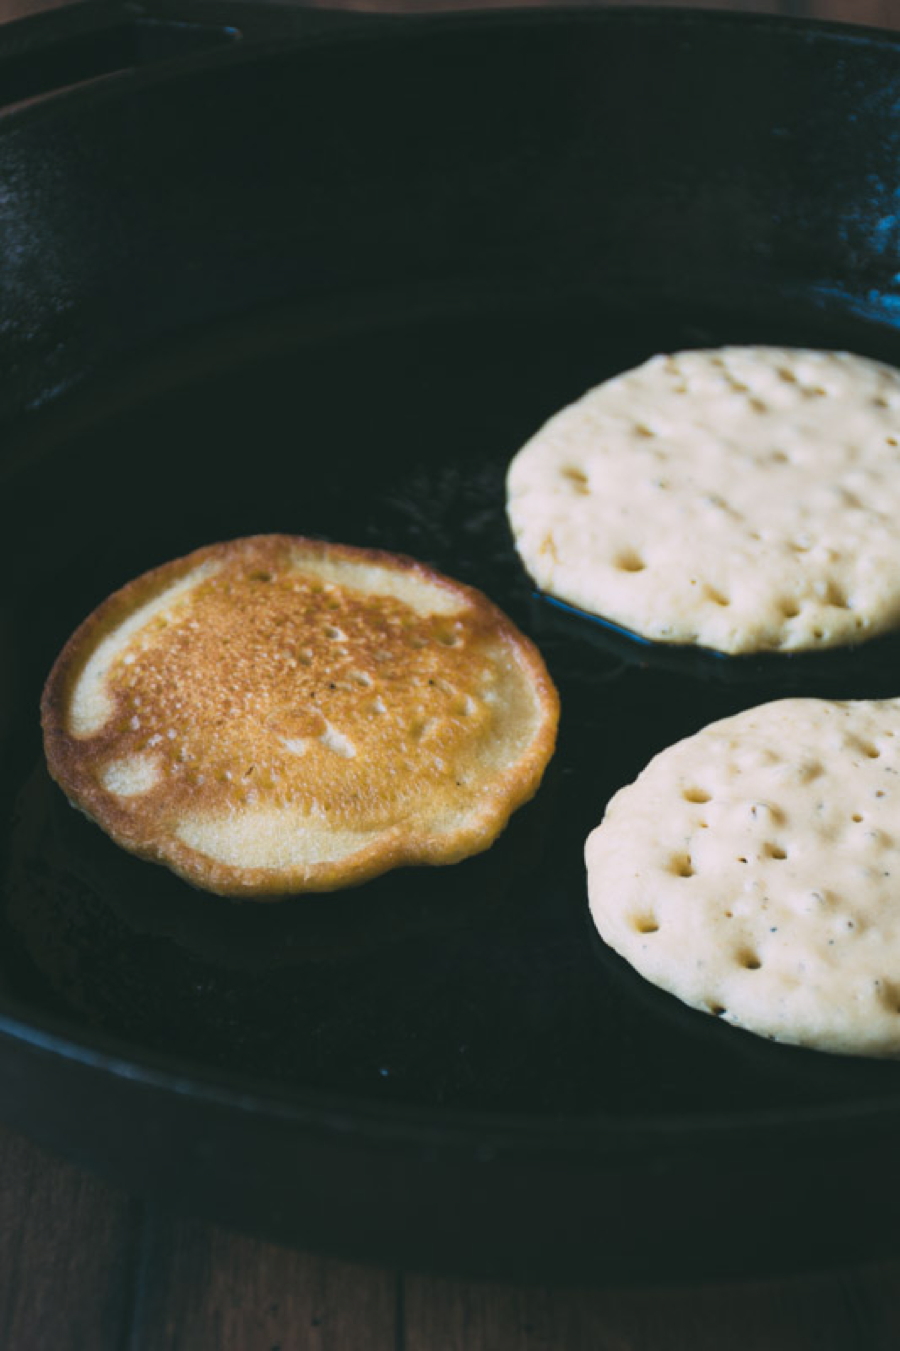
{"points": [[294, 33], [323, 1112]]}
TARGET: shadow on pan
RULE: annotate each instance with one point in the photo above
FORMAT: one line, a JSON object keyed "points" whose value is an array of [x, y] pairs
{"points": [[328, 285], [856, 671]]}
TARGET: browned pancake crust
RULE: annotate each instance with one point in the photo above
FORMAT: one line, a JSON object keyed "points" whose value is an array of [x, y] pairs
{"points": [[272, 689]]}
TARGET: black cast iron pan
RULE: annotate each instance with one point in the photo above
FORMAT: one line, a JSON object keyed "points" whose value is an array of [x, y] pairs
{"points": [[262, 270]]}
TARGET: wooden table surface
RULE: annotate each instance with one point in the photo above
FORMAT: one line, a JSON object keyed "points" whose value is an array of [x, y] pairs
{"points": [[84, 1267]]}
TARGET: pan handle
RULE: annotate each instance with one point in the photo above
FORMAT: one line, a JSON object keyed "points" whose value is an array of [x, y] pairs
{"points": [[55, 51]]}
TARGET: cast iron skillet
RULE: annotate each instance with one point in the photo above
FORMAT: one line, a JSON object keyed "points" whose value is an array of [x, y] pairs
{"points": [[267, 270]]}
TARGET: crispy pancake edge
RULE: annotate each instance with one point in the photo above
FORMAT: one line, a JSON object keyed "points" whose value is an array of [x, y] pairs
{"points": [[397, 846]]}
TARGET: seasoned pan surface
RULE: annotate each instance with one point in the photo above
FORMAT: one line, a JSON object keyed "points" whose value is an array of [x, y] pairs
{"points": [[459, 1035]]}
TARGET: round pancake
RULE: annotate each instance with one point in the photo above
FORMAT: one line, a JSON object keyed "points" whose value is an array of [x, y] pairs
{"points": [[753, 870], [743, 500], [276, 715]]}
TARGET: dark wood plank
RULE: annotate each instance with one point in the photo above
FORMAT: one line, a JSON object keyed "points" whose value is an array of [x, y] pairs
{"points": [[883, 13], [204, 1289], [68, 1252], [879, 13], [429, 6], [853, 1311]]}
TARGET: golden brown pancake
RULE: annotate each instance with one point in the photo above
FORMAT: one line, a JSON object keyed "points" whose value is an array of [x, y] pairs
{"points": [[276, 715]]}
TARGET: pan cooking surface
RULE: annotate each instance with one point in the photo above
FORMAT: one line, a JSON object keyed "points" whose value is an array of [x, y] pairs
{"points": [[480, 986]]}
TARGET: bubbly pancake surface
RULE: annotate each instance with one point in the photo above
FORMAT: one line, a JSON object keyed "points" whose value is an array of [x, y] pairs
{"points": [[753, 870], [275, 715], [742, 499]]}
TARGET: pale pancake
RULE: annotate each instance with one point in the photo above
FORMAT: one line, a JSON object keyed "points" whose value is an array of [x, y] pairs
{"points": [[276, 715], [743, 500], [753, 870]]}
